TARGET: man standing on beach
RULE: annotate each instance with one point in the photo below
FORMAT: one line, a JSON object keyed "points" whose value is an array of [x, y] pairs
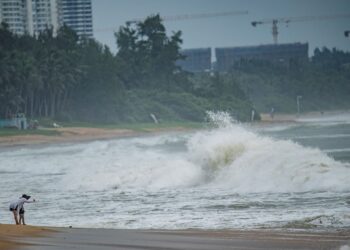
{"points": [[17, 207]]}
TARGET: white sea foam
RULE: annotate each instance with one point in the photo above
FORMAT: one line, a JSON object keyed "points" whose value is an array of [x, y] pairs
{"points": [[339, 150], [223, 177], [329, 119], [276, 127], [226, 156], [247, 162], [322, 136]]}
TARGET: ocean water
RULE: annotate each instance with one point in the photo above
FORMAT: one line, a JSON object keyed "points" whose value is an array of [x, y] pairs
{"points": [[224, 176]]}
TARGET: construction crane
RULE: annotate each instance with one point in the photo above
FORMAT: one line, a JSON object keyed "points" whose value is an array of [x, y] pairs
{"points": [[183, 17], [288, 20], [195, 16]]}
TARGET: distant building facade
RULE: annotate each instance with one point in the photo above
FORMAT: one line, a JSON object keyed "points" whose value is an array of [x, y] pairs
{"points": [[199, 60], [196, 60], [29, 16], [77, 14], [280, 53], [14, 13], [42, 14], [34, 16]]}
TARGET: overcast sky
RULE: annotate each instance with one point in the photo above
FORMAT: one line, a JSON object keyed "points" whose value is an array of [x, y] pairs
{"points": [[227, 31]]}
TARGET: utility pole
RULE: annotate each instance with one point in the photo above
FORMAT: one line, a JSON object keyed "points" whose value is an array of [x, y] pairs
{"points": [[275, 31], [298, 104]]}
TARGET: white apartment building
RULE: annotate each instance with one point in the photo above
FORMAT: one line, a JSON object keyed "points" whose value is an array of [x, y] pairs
{"points": [[77, 14], [34, 16], [14, 13], [42, 14]]}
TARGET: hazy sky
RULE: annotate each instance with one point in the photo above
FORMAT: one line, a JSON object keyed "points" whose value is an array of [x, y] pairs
{"points": [[227, 31]]}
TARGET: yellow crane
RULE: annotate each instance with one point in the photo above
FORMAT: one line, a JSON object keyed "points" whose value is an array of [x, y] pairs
{"points": [[287, 20]]}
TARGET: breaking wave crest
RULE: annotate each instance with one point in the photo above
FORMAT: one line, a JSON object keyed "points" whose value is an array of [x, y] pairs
{"points": [[228, 155], [235, 157]]}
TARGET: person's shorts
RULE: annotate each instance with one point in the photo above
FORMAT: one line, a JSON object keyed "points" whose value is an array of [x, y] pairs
{"points": [[13, 209], [21, 211]]}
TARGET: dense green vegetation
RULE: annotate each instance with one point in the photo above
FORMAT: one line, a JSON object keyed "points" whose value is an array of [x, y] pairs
{"points": [[61, 77], [71, 80], [323, 82]]}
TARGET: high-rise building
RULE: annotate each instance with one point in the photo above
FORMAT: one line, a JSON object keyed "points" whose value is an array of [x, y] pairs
{"points": [[34, 16], [77, 14], [29, 16], [43, 14], [14, 13]]}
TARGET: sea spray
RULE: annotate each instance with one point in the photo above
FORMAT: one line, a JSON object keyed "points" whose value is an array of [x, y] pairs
{"points": [[228, 155], [224, 177], [220, 119], [246, 162]]}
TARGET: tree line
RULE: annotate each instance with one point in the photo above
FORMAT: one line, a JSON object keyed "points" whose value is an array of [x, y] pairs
{"points": [[322, 82], [38, 75], [66, 78]]}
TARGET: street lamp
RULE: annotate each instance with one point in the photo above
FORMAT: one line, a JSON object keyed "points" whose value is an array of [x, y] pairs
{"points": [[298, 104]]}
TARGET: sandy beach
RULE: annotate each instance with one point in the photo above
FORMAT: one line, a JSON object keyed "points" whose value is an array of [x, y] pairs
{"points": [[52, 238], [77, 134], [37, 238], [80, 134], [69, 134]]}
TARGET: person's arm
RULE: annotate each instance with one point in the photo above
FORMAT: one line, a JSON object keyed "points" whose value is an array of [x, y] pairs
{"points": [[29, 201]]}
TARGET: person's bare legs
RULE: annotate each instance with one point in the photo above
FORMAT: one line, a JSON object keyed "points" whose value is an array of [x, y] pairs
{"points": [[15, 216], [21, 219]]}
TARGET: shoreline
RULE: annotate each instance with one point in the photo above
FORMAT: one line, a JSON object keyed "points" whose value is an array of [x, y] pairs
{"points": [[86, 134], [68, 135], [78, 135], [51, 238], [54, 238], [295, 118]]}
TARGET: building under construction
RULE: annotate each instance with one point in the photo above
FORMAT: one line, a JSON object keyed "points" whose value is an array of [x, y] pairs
{"points": [[226, 58], [196, 60]]}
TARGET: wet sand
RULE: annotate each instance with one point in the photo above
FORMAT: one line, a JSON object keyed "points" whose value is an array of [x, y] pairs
{"points": [[11, 235], [40, 238]]}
